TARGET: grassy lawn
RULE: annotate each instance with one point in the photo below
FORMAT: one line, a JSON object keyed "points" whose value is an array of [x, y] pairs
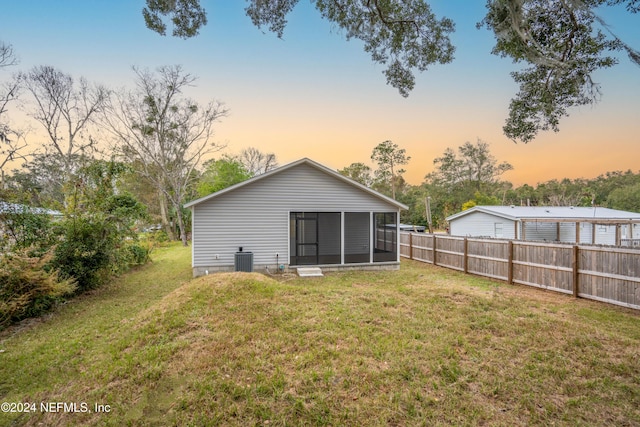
{"points": [[423, 346]]}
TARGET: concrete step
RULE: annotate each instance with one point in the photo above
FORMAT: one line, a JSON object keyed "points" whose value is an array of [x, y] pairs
{"points": [[310, 272]]}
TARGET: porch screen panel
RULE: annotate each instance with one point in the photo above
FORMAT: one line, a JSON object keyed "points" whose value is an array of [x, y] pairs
{"points": [[314, 238], [304, 238], [357, 237], [328, 238], [385, 237]]}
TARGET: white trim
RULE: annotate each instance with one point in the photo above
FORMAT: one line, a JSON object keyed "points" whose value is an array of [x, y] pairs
{"points": [[193, 236], [372, 236], [288, 238], [398, 235], [342, 237]]}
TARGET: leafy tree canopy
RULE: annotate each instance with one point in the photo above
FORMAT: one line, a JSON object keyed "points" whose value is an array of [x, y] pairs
{"points": [[358, 172], [480, 199], [402, 35], [625, 198], [561, 42], [474, 166], [389, 157], [220, 174]]}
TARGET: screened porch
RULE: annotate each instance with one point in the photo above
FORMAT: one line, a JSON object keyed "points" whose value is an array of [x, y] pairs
{"points": [[326, 238]]}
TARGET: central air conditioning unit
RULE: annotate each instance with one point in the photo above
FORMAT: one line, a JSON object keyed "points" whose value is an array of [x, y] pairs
{"points": [[243, 261]]}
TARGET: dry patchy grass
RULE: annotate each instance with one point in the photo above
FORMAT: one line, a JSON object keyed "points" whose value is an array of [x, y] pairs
{"points": [[423, 346]]}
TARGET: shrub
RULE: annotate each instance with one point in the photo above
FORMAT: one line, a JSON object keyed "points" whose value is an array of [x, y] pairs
{"points": [[85, 253], [91, 250], [160, 236], [98, 226], [130, 255], [28, 288], [139, 254], [24, 227]]}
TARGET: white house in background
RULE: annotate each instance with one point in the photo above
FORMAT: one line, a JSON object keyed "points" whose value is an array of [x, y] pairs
{"points": [[7, 208], [592, 225], [301, 214]]}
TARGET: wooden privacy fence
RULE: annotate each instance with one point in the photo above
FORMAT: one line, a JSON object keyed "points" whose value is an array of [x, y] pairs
{"points": [[600, 273]]}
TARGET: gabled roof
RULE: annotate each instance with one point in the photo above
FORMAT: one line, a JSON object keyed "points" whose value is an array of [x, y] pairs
{"points": [[543, 213], [281, 169]]}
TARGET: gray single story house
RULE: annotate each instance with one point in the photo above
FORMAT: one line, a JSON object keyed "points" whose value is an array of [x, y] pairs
{"points": [[299, 215], [591, 225]]}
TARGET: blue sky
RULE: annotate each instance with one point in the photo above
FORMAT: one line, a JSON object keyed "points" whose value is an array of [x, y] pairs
{"points": [[315, 95]]}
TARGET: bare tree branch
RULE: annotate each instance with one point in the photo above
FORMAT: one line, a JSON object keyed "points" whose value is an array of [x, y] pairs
{"points": [[65, 109], [257, 162], [164, 132], [7, 55]]}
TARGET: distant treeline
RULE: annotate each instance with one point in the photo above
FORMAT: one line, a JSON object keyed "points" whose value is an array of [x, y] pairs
{"points": [[616, 190], [471, 175]]}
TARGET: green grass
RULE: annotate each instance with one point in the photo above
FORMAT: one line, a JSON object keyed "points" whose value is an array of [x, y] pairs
{"points": [[422, 346]]}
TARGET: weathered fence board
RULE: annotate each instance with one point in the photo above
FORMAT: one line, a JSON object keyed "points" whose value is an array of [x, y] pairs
{"points": [[607, 274], [488, 258], [545, 266]]}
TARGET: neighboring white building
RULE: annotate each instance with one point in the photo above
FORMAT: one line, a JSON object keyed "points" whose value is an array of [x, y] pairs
{"points": [[7, 208], [300, 214], [593, 225]]}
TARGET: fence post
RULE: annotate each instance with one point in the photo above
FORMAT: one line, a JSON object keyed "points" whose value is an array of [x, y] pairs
{"points": [[510, 263], [575, 270], [466, 257], [410, 245], [434, 250]]}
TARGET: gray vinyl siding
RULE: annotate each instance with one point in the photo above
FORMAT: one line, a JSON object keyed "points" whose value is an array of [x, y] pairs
{"points": [[256, 216], [480, 224]]}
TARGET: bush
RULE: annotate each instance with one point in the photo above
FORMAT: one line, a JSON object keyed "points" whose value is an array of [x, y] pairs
{"points": [[86, 253], [139, 254], [130, 255], [92, 250], [159, 236], [22, 228], [27, 288]]}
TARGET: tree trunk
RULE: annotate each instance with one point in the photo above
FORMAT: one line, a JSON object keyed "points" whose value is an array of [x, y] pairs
{"points": [[164, 215], [181, 226]]}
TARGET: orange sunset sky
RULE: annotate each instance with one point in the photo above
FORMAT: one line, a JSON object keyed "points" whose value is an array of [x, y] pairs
{"points": [[314, 94]]}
